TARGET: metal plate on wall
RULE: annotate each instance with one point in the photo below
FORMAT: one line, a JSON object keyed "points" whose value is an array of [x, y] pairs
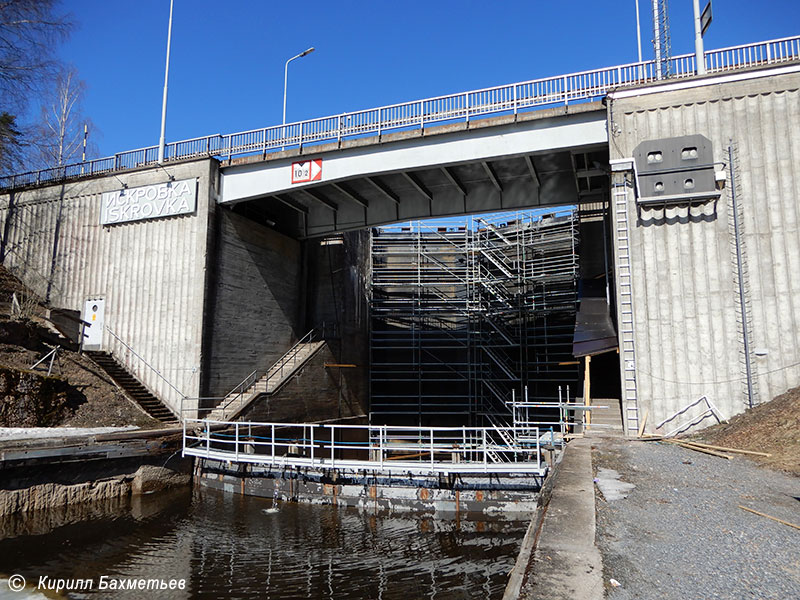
{"points": [[675, 170]]}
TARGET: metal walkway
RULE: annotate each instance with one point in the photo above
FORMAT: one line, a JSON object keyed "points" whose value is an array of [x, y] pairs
{"points": [[414, 450]]}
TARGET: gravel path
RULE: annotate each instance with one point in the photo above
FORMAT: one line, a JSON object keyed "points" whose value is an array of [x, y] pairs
{"points": [[680, 534]]}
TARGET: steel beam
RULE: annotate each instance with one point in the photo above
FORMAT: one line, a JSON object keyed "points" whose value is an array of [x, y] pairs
{"points": [[351, 195], [322, 200], [291, 204], [418, 186], [532, 171], [454, 180], [492, 176], [382, 189]]}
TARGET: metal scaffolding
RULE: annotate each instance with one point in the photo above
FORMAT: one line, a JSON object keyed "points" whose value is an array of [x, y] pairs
{"points": [[470, 315]]}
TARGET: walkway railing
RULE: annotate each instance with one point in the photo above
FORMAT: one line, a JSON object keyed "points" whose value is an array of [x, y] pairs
{"points": [[512, 98], [419, 450]]}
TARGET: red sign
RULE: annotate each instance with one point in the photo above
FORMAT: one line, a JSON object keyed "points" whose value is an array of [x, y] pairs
{"points": [[310, 170]]}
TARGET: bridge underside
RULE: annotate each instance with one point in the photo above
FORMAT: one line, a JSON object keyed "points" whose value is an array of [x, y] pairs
{"points": [[508, 163]]}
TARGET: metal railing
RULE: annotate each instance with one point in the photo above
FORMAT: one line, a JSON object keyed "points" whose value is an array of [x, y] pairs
{"points": [[386, 448], [179, 393], [513, 98], [244, 390]]}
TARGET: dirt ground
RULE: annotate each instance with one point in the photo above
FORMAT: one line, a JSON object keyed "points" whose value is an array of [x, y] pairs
{"points": [[93, 398], [772, 427]]}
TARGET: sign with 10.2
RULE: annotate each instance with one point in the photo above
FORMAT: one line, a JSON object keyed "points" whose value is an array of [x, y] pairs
{"points": [[309, 170]]}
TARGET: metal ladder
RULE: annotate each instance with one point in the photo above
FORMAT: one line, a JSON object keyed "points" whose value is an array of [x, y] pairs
{"points": [[629, 390]]}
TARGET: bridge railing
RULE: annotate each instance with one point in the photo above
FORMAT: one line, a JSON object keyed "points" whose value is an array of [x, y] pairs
{"points": [[527, 95]]}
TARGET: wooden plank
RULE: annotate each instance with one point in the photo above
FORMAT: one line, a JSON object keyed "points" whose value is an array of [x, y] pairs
{"points": [[644, 423], [760, 514], [699, 449], [587, 387], [736, 450]]}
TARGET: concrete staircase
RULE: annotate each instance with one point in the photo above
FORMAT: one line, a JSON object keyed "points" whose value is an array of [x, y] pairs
{"points": [[269, 383], [133, 387], [606, 422]]}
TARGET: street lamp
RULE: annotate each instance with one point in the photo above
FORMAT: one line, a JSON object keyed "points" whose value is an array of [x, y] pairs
{"points": [[286, 75]]}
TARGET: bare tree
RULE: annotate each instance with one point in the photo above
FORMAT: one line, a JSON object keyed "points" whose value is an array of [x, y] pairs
{"points": [[61, 130], [29, 33]]}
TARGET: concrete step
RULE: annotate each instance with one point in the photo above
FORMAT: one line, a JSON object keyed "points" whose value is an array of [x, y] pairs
{"points": [[267, 384], [133, 388]]}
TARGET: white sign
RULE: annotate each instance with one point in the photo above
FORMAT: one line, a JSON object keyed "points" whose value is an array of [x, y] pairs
{"points": [[149, 202], [310, 170]]}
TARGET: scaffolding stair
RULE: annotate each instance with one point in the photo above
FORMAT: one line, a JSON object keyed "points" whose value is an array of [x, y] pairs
{"points": [[497, 262], [624, 280], [278, 374], [501, 330], [132, 387], [496, 293], [491, 227], [509, 372]]}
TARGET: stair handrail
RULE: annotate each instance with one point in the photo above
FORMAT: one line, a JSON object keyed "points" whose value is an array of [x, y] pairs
{"points": [[253, 377], [290, 354], [147, 364]]}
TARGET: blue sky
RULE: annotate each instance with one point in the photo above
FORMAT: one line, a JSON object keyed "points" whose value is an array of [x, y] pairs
{"points": [[226, 71]]}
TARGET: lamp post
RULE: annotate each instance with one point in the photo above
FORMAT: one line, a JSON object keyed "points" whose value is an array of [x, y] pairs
{"points": [[286, 77], [699, 58], [161, 143]]}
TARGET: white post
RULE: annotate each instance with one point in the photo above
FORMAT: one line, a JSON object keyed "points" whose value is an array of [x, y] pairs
{"points": [[432, 449], [485, 450], [333, 446], [699, 54], [639, 39], [161, 143], [381, 433], [638, 30]]}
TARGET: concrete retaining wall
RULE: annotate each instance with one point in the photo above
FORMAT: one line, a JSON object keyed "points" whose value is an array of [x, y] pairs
{"points": [[687, 322], [98, 482], [254, 305], [151, 273]]}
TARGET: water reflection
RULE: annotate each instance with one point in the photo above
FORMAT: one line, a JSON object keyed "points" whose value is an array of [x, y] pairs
{"points": [[234, 546]]}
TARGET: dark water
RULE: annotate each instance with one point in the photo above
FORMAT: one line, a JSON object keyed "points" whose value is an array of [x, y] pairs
{"points": [[227, 546]]}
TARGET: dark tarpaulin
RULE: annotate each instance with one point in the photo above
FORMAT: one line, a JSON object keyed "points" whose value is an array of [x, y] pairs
{"points": [[594, 331]]}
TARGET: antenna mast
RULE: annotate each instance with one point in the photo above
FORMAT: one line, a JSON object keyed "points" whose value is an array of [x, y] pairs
{"points": [[661, 39]]}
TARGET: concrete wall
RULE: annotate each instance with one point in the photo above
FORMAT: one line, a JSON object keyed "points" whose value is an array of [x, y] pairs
{"points": [[254, 301], [150, 273], [336, 305], [688, 339]]}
